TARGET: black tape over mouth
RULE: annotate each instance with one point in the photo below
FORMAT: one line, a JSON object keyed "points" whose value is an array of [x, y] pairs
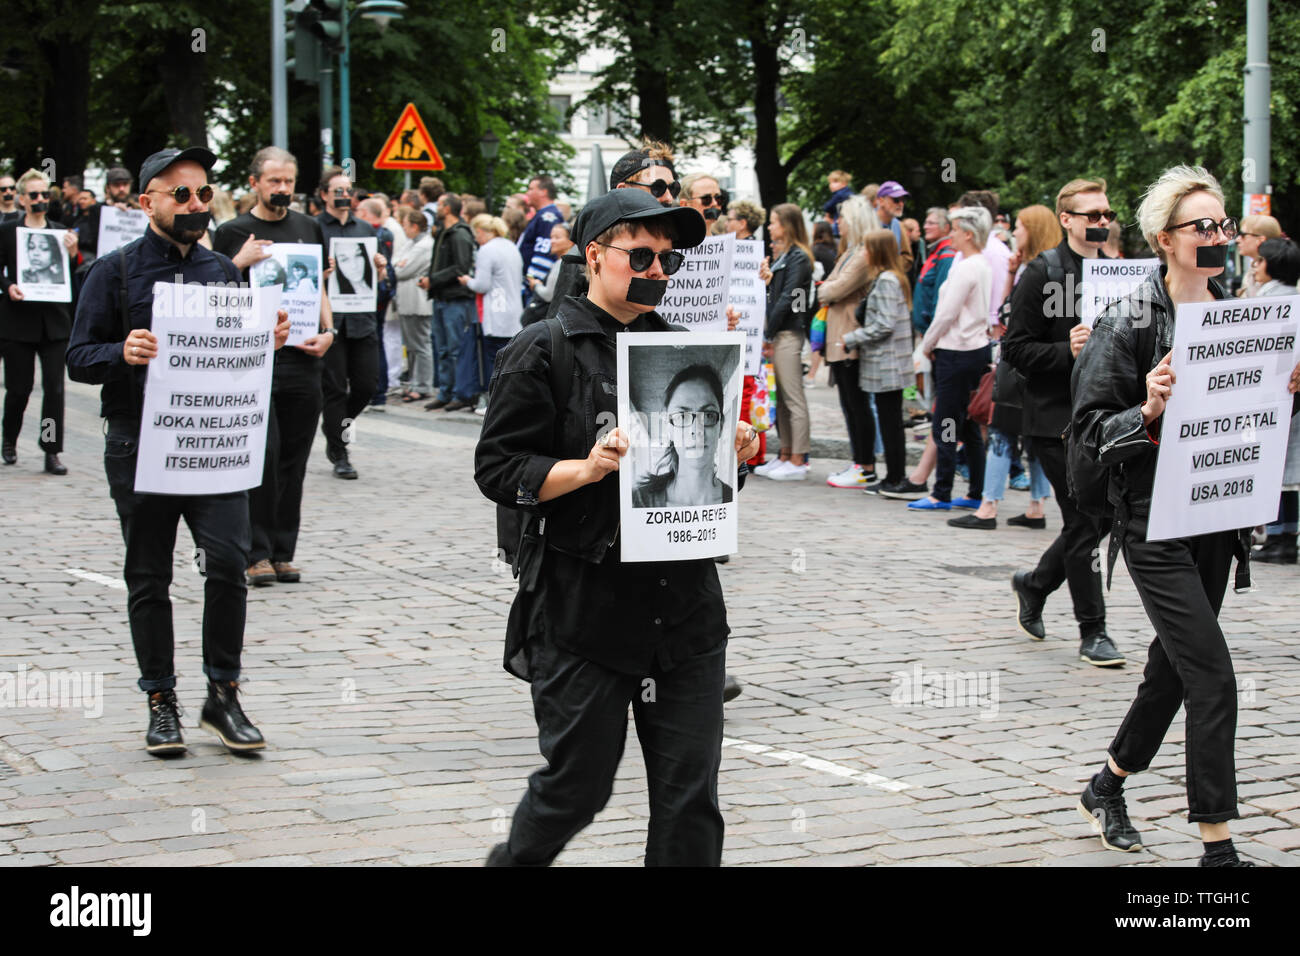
{"points": [[646, 291]]}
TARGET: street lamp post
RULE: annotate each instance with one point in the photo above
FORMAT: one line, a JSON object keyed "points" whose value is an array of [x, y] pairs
{"points": [[380, 12], [489, 146]]}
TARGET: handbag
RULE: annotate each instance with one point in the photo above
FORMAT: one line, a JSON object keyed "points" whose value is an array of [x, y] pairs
{"points": [[980, 407]]}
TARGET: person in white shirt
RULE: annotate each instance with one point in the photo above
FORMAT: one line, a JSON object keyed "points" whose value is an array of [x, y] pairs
{"points": [[957, 345], [498, 275], [412, 304]]}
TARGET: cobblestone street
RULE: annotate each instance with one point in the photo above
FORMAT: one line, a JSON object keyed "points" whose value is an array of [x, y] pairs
{"points": [[892, 712]]}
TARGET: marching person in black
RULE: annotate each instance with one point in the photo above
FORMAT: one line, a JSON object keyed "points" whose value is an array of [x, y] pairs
{"points": [[592, 633], [275, 506], [29, 330], [117, 193], [1044, 325], [352, 363], [111, 348], [1122, 380]]}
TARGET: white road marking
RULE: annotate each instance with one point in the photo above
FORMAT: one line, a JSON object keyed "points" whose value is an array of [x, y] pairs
{"points": [[818, 764], [98, 578]]}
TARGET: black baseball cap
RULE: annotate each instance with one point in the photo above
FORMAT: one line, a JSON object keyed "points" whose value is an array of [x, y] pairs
{"points": [[159, 161], [631, 163], [118, 174], [630, 205]]}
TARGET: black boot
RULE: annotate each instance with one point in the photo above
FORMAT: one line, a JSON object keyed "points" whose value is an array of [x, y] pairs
{"points": [[1279, 549], [53, 465], [1029, 606], [224, 717], [164, 733]]}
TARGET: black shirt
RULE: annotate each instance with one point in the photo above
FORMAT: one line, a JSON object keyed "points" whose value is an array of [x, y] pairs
{"points": [[95, 350], [627, 617]]}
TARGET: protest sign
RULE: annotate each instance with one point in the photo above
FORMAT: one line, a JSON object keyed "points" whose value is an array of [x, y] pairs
{"points": [[678, 402], [117, 227], [296, 267], [748, 295], [43, 274], [1223, 434], [697, 293], [1104, 281], [353, 284], [203, 426]]}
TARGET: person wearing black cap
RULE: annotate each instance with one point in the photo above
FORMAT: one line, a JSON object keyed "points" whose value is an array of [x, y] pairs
{"points": [[112, 345], [592, 633], [276, 504], [352, 363], [117, 193]]}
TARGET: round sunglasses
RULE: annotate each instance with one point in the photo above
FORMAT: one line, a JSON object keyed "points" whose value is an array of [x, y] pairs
{"points": [[182, 193], [641, 257]]}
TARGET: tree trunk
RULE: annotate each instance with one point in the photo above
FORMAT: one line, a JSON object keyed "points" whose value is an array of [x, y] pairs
{"points": [[65, 117], [182, 72], [773, 179]]}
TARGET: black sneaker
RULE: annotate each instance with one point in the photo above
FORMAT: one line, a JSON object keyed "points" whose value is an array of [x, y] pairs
{"points": [[1233, 860], [343, 469], [164, 733], [1109, 818], [874, 487], [1024, 521], [1029, 606], [971, 521], [905, 490], [1279, 549], [224, 717], [730, 689], [1100, 651]]}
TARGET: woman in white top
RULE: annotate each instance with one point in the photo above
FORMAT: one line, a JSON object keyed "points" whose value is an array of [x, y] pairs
{"points": [[498, 276], [410, 263], [957, 345]]}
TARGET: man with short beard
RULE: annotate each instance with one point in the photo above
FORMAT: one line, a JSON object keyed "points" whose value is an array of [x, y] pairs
{"points": [[176, 196], [117, 193], [275, 506]]}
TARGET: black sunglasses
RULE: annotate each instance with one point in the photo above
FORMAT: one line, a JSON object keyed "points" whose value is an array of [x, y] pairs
{"points": [[659, 187], [1207, 227], [182, 193], [35, 195], [641, 257], [8, 189], [709, 200], [1110, 215]]}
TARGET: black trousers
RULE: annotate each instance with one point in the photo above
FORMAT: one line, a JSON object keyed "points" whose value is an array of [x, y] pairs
{"points": [[956, 375], [1181, 584], [1074, 555], [857, 412], [348, 383], [219, 526], [889, 409], [275, 506], [20, 375], [581, 710]]}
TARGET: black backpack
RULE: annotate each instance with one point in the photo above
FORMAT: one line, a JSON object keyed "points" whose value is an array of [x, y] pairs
{"points": [[513, 524]]}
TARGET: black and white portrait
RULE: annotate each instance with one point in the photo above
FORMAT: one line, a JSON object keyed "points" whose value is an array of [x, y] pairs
{"points": [[352, 285], [43, 273]]}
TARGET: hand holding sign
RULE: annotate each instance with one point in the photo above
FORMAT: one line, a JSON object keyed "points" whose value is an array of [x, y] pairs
{"points": [[1078, 339], [1293, 386], [1160, 382], [140, 346], [282, 327], [604, 455], [70, 241], [746, 441], [252, 252]]}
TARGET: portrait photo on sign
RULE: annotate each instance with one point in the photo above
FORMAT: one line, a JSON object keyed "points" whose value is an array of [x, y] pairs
{"points": [[270, 271], [43, 273], [679, 399], [303, 275], [353, 283]]}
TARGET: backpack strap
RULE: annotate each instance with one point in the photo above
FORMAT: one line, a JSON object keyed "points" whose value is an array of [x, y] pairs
{"points": [[124, 311], [561, 373], [1055, 267]]}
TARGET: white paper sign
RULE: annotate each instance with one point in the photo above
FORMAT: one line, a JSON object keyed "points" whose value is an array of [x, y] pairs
{"points": [[43, 274], [748, 296], [1104, 281], [678, 402], [203, 427], [296, 267], [117, 227], [354, 283], [1224, 432], [697, 293]]}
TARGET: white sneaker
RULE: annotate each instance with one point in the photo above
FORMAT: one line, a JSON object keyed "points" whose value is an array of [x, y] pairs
{"points": [[790, 473], [851, 477], [764, 471]]}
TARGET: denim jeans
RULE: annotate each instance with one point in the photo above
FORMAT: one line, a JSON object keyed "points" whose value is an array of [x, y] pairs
{"points": [[997, 468], [450, 319], [219, 525]]}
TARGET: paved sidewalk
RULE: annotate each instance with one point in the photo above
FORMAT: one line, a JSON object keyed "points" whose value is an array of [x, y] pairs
{"points": [[396, 737]]}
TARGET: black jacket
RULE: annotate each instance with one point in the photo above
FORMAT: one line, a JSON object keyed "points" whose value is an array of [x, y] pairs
{"points": [[27, 321], [453, 256], [788, 294], [1037, 342]]}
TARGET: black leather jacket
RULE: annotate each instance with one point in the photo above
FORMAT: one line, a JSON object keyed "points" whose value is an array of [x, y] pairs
{"points": [[788, 296]]}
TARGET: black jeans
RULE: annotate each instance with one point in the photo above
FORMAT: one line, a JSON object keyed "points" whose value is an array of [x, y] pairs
{"points": [[889, 409], [275, 506], [348, 383], [581, 710], [1181, 584], [1074, 555], [956, 375], [857, 412], [20, 376], [219, 526]]}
